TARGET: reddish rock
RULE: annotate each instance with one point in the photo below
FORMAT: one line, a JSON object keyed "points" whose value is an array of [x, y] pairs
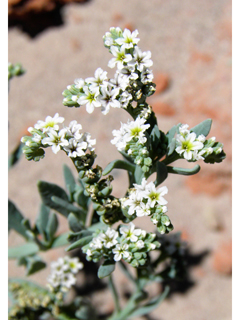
{"points": [[222, 258], [212, 183], [163, 108], [162, 82], [201, 56], [129, 26]]}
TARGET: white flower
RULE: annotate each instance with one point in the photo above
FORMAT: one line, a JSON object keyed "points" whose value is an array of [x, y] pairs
{"points": [[133, 202], [128, 39], [50, 122], [140, 188], [67, 280], [146, 76], [136, 129], [108, 37], [99, 79], [119, 139], [55, 139], [96, 243], [75, 265], [109, 238], [155, 195], [129, 72], [90, 99], [79, 83], [90, 142], [125, 98], [140, 244], [72, 131], [108, 99], [120, 251], [120, 81], [187, 145], [76, 148], [143, 210], [120, 57], [141, 59], [130, 233]]}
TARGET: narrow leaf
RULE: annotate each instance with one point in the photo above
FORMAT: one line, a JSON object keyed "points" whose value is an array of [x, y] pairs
{"points": [[15, 219], [118, 164], [69, 180], [52, 226], [42, 219], [185, 172], [60, 241], [65, 205], [74, 223], [15, 155], [47, 191], [138, 175], [26, 249], [162, 173], [80, 243]]}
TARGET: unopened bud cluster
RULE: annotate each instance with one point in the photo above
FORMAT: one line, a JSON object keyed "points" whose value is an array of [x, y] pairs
{"points": [[129, 244]]}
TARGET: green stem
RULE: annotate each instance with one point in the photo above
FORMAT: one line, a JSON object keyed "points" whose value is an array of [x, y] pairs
{"points": [[127, 273], [115, 295]]}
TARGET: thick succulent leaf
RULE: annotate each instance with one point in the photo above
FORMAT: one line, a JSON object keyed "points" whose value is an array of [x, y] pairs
{"points": [[47, 191], [215, 158], [203, 127], [15, 155], [106, 269], [24, 250], [162, 173], [52, 226], [65, 205], [99, 225], [150, 306], [118, 164], [61, 240], [33, 264], [69, 181], [15, 219], [183, 171], [74, 223], [72, 237], [138, 175], [42, 219], [79, 243]]}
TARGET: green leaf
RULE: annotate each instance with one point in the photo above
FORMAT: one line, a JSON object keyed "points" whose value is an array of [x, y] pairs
{"points": [[65, 205], [185, 172], [118, 164], [151, 305], [74, 223], [15, 155], [33, 264], [99, 225], [69, 181], [106, 269], [138, 175], [60, 241], [42, 219], [26, 249], [162, 173], [52, 226], [72, 237], [49, 190], [79, 243], [15, 219], [202, 128]]}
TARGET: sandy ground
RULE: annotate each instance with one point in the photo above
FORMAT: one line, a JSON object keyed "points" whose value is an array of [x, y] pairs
{"points": [[190, 43]]}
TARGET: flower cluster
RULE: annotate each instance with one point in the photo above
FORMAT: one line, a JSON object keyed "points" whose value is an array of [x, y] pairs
{"points": [[48, 134], [192, 147], [63, 273], [129, 244], [131, 139], [146, 200], [132, 75]]}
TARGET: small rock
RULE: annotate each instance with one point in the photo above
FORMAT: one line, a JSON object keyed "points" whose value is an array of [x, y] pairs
{"points": [[163, 108], [162, 82], [222, 259]]}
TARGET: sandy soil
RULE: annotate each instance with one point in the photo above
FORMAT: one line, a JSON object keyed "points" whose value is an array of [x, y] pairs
{"points": [[190, 43]]}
